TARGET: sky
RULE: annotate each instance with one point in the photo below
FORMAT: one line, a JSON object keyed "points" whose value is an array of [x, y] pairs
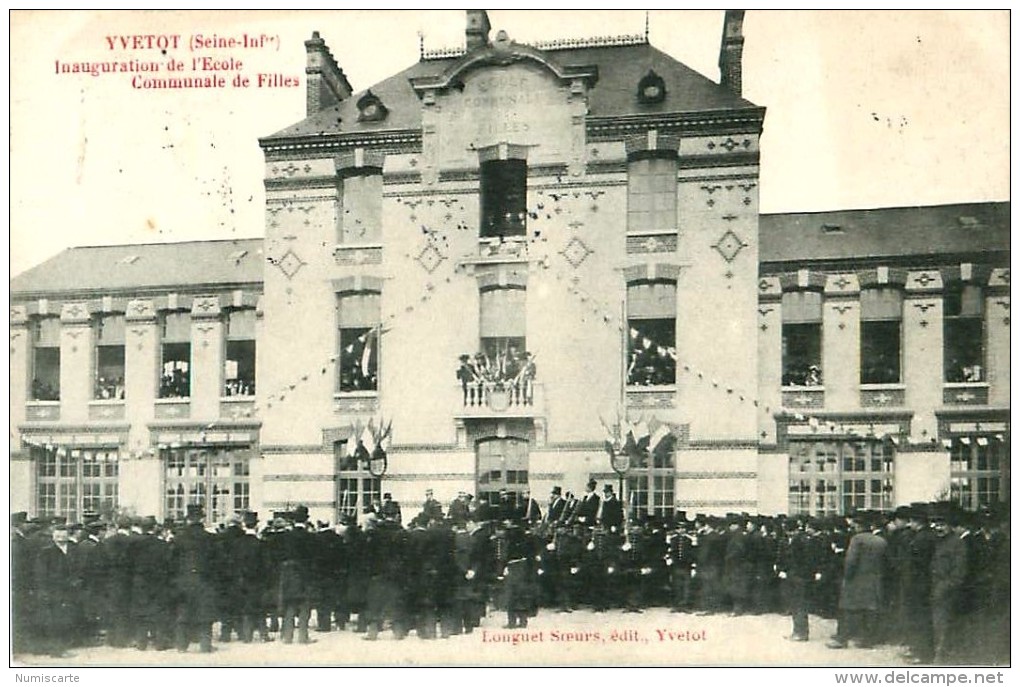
{"points": [[864, 109]]}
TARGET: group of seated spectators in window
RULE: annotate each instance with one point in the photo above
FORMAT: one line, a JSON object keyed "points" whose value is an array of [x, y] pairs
{"points": [[110, 388], [650, 363], [957, 372], [175, 384], [802, 375], [239, 387], [510, 371], [44, 391]]}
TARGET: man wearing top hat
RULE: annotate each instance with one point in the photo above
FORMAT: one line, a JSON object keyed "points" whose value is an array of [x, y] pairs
{"points": [[193, 568], [56, 605], [556, 506], [948, 574], [297, 553], [610, 513], [862, 595], [588, 507]]}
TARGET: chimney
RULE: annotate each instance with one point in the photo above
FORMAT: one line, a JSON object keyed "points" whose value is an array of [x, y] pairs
{"points": [[731, 51], [326, 84], [477, 31]]}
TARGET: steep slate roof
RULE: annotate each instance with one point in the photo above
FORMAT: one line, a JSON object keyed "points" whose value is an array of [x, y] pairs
{"points": [[908, 231], [614, 95], [155, 266]]}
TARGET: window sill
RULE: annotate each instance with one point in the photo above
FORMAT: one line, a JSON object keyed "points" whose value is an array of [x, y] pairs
{"points": [[793, 388], [650, 388], [354, 394], [106, 402], [42, 404], [173, 400], [356, 246], [892, 386], [652, 232], [965, 385], [238, 398]]}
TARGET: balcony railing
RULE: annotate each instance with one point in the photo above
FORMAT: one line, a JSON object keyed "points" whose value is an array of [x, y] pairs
{"points": [[524, 399]]}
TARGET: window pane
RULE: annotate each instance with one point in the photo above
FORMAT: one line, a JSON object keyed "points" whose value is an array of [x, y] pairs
{"points": [[880, 352], [964, 349], [359, 359], [109, 372], [361, 211], [239, 369], [46, 374], [802, 354], [175, 377], [651, 352], [504, 198]]}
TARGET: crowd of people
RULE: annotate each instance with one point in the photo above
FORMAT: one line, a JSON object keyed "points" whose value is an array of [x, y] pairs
{"points": [[930, 578], [508, 371]]}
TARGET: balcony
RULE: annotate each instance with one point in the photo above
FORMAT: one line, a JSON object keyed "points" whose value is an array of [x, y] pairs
{"points": [[488, 400]]}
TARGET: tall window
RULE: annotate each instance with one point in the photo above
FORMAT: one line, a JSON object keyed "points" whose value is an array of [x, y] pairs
{"points": [[46, 359], [651, 195], [963, 328], [360, 220], [109, 362], [840, 477], [504, 198], [175, 360], [217, 478], [502, 464], [356, 489], [651, 349], [502, 328], [802, 338], [651, 484], [74, 481], [881, 316], [359, 319], [239, 362], [979, 471]]}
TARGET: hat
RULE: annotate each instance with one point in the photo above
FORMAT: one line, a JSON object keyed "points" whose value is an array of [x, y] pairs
{"points": [[387, 495], [300, 514], [149, 523], [607, 489], [249, 518], [195, 512], [592, 484], [557, 490], [464, 357]]}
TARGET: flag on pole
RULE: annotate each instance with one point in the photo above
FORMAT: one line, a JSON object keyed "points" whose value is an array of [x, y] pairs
{"points": [[368, 437], [659, 434], [641, 434]]}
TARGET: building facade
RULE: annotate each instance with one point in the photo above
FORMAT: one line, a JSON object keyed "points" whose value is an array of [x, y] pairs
{"points": [[496, 261]]}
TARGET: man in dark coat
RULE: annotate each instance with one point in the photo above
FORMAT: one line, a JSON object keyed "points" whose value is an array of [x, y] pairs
{"points": [[916, 599], [948, 574], [738, 570], [799, 564], [588, 507], [610, 513], [297, 551], [194, 576], [679, 559], [386, 555], [862, 595], [249, 557], [150, 583], [117, 562], [56, 605], [557, 505]]}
